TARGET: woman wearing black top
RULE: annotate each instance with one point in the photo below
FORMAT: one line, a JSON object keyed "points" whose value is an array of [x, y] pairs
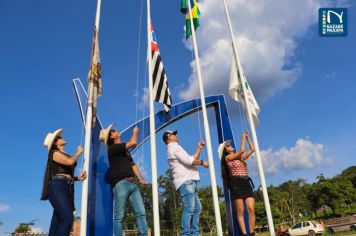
{"points": [[58, 182]]}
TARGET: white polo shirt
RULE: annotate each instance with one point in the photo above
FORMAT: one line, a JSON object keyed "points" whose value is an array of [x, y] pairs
{"points": [[181, 165]]}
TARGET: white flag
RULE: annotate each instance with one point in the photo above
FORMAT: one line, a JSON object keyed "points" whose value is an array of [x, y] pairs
{"points": [[94, 75], [236, 92]]}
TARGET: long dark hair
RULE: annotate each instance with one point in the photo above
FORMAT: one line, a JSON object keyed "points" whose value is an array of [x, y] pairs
{"points": [[110, 140], [225, 174], [48, 172]]}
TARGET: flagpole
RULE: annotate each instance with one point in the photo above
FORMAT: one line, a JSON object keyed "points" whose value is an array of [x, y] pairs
{"points": [[252, 126], [206, 129], [87, 141], [156, 225]]}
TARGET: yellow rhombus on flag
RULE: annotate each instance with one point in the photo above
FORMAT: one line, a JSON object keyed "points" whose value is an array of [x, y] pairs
{"points": [[195, 14]]}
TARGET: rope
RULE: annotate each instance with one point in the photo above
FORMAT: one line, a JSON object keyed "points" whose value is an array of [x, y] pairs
{"points": [[202, 154], [81, 142], [138, 59], [243, 117], [198, 112], [140, 157], [244, 127], [143, 125]]}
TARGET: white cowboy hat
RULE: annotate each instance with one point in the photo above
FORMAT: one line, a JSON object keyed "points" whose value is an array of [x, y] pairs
{"points": [[104, 134], [48, 142], [222, 146]]}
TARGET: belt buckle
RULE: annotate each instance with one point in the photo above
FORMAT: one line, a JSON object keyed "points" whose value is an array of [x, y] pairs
{"points": [[130, 179], [70, 181]]}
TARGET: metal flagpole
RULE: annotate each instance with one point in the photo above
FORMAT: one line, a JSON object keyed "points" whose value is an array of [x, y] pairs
{"points": [[206, 129], [88, 127], [156, 225], [252, 127]]}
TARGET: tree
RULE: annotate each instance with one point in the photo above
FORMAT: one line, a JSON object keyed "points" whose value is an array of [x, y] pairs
{"points": [[170, 203], [336, 193], [279, 208], [350, 174], [207, 217], [293, 196], [260, 212], [22, 228], [330, 194], [146, 192], [313, 195]]}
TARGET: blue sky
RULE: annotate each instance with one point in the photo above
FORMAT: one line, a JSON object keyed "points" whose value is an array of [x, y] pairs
{"points": [[303, 83]]}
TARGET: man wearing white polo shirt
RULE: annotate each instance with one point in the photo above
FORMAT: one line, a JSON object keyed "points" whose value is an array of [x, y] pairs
{"points": [[185, 177]]}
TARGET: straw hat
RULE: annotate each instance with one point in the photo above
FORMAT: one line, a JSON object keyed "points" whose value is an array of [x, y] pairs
{"points": [[48, 142], [167, 133], [104, 134], [222, 146]]}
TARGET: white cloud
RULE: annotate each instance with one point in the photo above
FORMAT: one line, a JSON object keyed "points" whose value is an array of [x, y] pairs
{"points": [[4, 207], [266, 35], [144, 102], [331, 75], [36, 230], [303, 155], [140, 162]]}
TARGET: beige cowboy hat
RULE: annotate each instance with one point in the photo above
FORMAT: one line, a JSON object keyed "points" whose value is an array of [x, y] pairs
{"points": [[48, 142], [222, 146], [104, 134]]}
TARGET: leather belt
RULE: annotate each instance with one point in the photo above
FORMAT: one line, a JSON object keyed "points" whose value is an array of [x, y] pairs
{"points": [[130, 179], [69, 180]]}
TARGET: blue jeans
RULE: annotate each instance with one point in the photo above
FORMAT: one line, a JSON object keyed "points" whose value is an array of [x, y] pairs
{"points": [[122, 191], [191, 208], [60, 195]]}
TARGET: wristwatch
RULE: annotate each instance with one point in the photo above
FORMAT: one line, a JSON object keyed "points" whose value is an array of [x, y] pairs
{"points": [[201, 162]]}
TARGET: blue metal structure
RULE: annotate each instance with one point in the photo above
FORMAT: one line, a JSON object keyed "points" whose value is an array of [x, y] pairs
{"points": [[100, 208]]}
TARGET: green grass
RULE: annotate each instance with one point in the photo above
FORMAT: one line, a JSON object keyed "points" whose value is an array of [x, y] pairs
{"points": [[341, 233]]}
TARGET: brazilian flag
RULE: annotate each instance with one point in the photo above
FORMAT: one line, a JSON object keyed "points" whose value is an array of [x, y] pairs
{"points": [[195, 14]]}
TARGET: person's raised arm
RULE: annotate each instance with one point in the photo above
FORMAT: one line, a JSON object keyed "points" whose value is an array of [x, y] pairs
{"points": [[133, 140], [190, 160], [200, 162], [197, 152], [63, 159], [237, 154], [251, 148], [196, 155]]}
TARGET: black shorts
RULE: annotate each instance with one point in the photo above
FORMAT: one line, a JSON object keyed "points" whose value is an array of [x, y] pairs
{"points": [[240, 187]]}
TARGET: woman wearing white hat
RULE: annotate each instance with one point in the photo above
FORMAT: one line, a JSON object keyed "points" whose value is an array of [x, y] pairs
{"points": [[234, 174], [58, 185]]}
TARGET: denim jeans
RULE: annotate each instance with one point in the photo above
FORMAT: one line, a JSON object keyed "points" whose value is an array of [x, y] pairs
{"points": [[191, 208], [122, 191], [60, 195]]}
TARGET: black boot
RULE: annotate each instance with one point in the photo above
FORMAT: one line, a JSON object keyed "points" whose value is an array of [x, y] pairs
{"points": [[252, 234]]}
